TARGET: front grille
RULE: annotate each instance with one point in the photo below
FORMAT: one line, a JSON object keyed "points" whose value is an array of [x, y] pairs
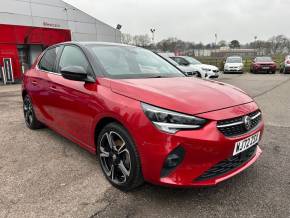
{"points": [[236, 126], [229, 164]]}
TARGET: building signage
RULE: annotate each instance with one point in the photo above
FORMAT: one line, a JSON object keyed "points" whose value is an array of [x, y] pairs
{"points": [[55, 25]]}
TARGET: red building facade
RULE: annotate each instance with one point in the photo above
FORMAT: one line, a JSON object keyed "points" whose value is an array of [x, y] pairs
{"points": [[22, 44]]}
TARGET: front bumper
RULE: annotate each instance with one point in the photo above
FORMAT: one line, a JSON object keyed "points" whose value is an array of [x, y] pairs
{"points": [[211, 74], [287, 69], [265, 69], [236, 70], [203, 148]]}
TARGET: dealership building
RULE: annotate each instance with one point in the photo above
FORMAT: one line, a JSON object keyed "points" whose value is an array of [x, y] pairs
{"points": [[27, 27]]}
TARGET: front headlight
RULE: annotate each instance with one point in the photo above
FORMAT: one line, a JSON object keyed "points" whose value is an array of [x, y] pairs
{"points": [[170, 121]]}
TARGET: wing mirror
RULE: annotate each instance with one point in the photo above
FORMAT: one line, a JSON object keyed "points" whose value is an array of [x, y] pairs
{"points": [[76, 73]]}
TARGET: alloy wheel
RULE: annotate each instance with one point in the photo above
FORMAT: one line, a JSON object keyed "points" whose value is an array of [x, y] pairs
{"points": [[28, 111], [115, 157]]}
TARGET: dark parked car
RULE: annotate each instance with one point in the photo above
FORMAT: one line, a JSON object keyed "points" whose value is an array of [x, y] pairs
{"points": [[285, 66], [263, 64]]}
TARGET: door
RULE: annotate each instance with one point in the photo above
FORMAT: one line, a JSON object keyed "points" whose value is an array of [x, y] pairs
{"points": [[38, 81], [73, 108]]}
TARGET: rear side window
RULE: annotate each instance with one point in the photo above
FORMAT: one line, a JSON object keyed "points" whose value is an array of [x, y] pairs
{"points": [[48, 60], [73, 56]]}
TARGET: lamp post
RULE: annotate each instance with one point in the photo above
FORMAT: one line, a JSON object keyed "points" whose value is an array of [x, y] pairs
{"points": [[256, 47], [118, 27], [152, 30], [216, 37]]}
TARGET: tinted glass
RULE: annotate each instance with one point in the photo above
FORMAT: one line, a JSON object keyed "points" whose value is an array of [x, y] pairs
{"points": [[172, 61], [132, 62], [234, 60], [263, 59], [48, 59], [180, 61], [73, 56], [192, 60]]}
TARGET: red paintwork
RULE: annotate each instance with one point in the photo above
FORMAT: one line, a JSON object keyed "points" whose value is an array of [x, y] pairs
{"points": [[13, 35], [73, 109], [170, 93], [258, 66]]}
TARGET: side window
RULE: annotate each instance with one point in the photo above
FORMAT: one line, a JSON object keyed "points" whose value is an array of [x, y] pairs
{"points": [[73, 56], [183, 62], [48, 59]]}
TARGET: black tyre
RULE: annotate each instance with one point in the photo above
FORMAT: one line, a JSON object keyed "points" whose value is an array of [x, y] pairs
{"points": [[198, 74], [29, 115], [273, 72], [119, 158]]}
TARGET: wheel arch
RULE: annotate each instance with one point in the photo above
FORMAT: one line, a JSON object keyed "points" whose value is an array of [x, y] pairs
{"points": [[24, 93], [102, 123]]}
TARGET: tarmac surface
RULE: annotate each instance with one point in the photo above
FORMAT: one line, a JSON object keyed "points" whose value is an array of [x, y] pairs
{"points": [[43, 174]]}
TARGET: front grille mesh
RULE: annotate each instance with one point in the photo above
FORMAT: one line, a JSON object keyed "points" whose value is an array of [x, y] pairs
{"points": [[228, 165], [235, 126]]}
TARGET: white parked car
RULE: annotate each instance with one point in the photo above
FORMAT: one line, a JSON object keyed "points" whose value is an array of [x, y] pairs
{"points": [[187, 70], [234, 64], [204, 71]]}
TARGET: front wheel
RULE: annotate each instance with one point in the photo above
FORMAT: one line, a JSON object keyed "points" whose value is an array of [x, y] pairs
{"points": [[29, 115], [119, 158]]}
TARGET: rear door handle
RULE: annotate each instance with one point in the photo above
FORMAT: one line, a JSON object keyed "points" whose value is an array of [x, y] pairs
{"points": [[34, 83]]}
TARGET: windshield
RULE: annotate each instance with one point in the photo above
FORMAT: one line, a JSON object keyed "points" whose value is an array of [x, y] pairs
{"points": [[192, 60], [132, 62], [263, 59], [172, 61], [234, 60]]}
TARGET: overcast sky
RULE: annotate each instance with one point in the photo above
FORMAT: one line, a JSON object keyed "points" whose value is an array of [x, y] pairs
{"points": [[194, 20]]}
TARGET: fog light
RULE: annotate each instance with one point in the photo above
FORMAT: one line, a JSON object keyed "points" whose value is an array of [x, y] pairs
{"points": [[173, 159]]}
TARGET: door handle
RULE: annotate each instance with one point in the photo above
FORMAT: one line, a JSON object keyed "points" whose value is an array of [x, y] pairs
{"points": [[53, 88], [34, 83]]}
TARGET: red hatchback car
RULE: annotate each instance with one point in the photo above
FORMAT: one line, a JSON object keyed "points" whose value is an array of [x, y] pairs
{"points": [[143, 118], [263, 64]]}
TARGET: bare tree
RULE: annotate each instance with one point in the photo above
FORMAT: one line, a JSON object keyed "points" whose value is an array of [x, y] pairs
{"points": [[141, 40], [126, 38], [278, 44]]}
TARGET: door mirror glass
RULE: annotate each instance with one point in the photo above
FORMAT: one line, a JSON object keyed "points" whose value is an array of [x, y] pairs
{"points": [[76, 73]]}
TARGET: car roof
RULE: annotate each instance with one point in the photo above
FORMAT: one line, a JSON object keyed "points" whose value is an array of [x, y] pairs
{"points": [[94, 43]]}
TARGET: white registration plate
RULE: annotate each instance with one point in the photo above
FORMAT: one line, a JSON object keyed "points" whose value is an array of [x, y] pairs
{"points": [[265, 68], [244, 144]]}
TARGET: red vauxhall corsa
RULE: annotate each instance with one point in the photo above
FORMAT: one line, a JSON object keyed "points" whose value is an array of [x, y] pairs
{"points": [[142, 117]]}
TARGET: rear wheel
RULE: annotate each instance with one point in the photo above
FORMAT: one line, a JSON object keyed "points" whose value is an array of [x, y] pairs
{"points": [[29, 115], [119, 158]]}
